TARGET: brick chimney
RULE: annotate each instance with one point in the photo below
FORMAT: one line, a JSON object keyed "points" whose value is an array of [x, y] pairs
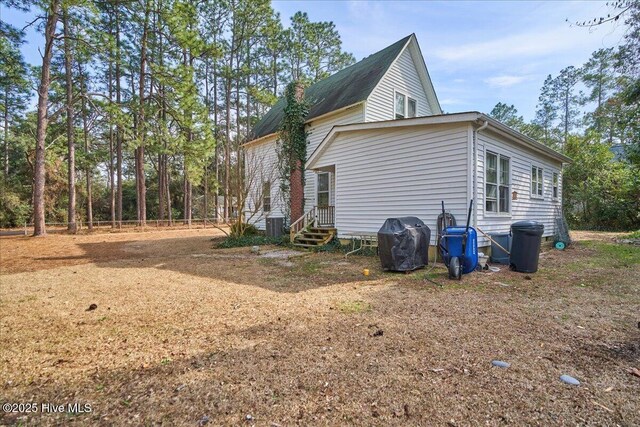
{"points": [[297, 193], [295, 185]]}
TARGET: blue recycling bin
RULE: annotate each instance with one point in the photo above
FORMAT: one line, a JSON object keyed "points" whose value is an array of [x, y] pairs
{"points": [[452, 241], [497, 254]]}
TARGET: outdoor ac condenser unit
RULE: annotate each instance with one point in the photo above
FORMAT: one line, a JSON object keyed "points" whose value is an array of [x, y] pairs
{"points": [[274, 227]]}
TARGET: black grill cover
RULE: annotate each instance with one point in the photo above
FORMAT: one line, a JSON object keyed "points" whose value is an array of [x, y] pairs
{"points": [[403, 244]]}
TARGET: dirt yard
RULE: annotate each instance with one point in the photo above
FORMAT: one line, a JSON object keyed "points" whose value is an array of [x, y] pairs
{"points": [[182, 333]]}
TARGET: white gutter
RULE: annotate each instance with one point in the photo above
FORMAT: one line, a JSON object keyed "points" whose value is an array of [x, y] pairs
{"points": [[475, 172]]}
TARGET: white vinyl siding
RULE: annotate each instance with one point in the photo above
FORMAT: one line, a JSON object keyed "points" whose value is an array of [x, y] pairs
{"points": [[401, 77], [525, 207], [317, 130], [426, 165], [261, 168]]}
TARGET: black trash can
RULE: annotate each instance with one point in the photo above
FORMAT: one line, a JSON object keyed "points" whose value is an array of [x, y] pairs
{"points": [[403, 244], [525, 245]]}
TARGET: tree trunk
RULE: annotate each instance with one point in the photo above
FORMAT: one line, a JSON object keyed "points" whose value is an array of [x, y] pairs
{"points": [[566, 117], [161, 90], [168, 186], [227, 148], [205, 202], [187, 199], [41, 132], [119, 127], [238, 171], [112, 187], [275, 75], [85, 134], [216, 154], [140, 178], [161, 176], [71, 150], [207, 102], [6, 132]]}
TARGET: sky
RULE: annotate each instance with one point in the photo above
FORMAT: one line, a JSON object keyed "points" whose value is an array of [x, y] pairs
{"points": [[477, 53]]}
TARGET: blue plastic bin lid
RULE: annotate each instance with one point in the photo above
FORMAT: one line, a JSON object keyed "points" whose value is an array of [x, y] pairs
{"points": [[500, 234]]}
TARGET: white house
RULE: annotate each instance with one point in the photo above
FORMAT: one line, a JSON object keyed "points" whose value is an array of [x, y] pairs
{"points": [[379, 147]]}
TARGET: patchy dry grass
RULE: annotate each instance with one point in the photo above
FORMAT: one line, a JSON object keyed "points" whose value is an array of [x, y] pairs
{"points": [[184, 333], [351, 307]]}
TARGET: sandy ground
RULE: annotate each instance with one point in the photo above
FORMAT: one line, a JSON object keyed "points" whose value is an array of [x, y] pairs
{"points": [[603, 236], [186, 334]]}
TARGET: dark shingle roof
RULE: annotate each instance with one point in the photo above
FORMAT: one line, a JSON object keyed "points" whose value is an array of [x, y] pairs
{"points": [[346, 87]]}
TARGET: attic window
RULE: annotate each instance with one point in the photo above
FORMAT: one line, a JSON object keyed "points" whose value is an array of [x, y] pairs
{"points": [[401, 110], [413, 107]]}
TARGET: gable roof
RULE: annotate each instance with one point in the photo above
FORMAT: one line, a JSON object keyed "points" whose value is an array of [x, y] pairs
{"points": [[471, 116], [347, 87]]}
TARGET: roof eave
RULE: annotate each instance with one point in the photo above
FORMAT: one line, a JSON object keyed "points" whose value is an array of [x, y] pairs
{"points": [[471, 116], [425, 78], [530, 142], [323, 116]]}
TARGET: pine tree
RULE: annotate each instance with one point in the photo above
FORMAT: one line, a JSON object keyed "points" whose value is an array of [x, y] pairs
{"points": [[547, 112], [598, 75], [52, 11], [566, 99], [14, 92]]}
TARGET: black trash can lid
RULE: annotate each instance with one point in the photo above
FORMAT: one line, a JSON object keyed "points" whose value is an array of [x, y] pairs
{"points": [[527, 225]]}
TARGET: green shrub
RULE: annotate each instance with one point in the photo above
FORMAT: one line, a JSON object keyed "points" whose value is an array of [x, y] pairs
{"points": [[241, 241], [14, 212], [334, 246], [239, 228], [633, 235]]}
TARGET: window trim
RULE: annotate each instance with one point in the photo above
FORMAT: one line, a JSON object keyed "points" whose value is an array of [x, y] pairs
{"points": [[541, 181], [328, 187], [416, 110], [405, 106], [266, 196], [555, 185], [510, 186]]}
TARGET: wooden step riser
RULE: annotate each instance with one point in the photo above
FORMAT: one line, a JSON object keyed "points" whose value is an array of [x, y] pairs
{"points": [[322, 230], [315, 237]]}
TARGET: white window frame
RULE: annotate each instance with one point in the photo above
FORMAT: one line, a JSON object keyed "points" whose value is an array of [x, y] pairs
{"points": [[405, 106], [499, 156], [328, 187], [555, 185], [539, 182], [409, 99], [266, 196]]}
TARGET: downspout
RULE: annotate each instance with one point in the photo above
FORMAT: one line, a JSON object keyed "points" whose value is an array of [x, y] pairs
{"points": [[475, 172]]}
